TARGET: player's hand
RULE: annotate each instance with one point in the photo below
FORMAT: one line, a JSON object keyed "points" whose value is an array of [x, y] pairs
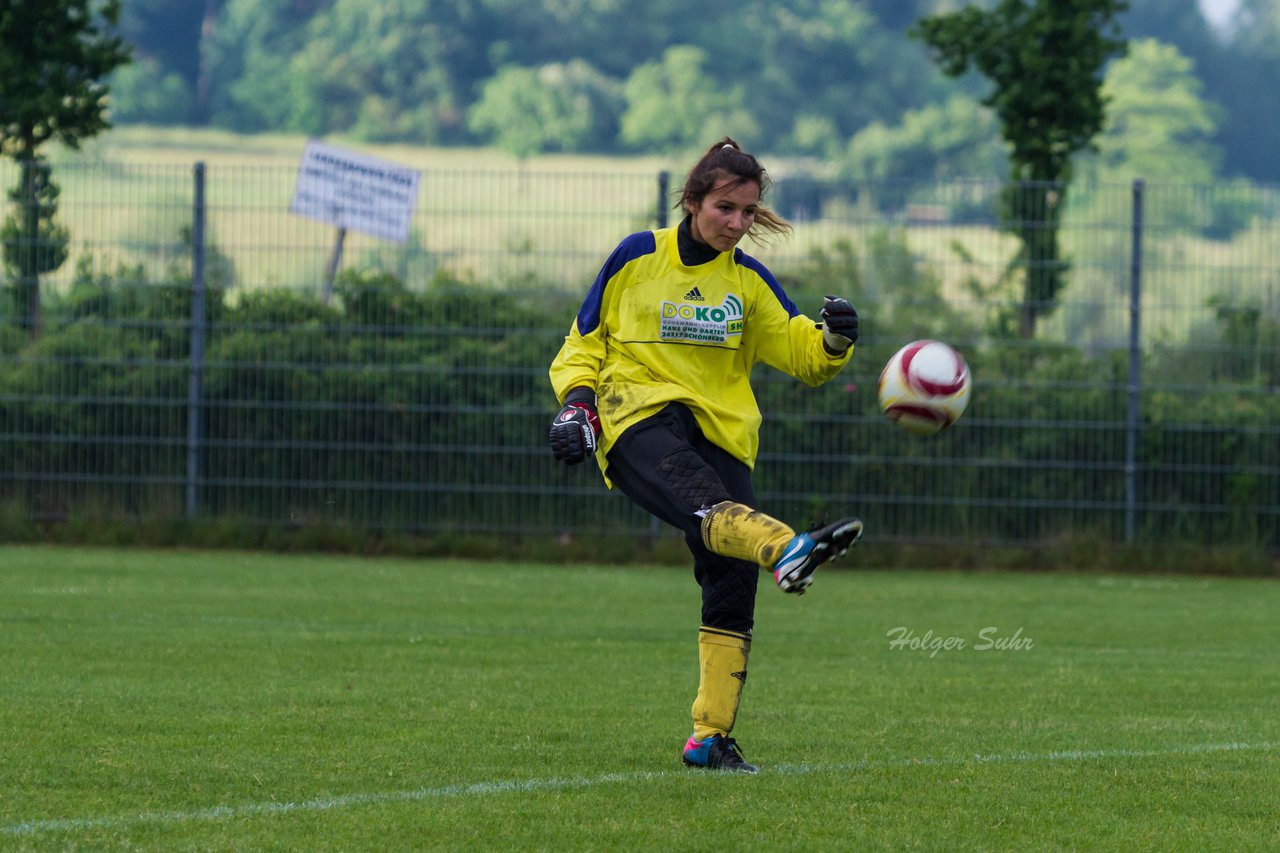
{"points": [[574, 432], [839, 325]]}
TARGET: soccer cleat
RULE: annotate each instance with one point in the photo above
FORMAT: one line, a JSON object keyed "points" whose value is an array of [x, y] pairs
{"points": [[716, 753], [804, 553]]}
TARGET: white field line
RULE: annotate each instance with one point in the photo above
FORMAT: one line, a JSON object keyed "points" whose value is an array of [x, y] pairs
{"points": [[484, 789]]}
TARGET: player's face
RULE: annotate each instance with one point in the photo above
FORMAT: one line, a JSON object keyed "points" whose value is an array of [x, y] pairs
{"points": [[725, 214]]}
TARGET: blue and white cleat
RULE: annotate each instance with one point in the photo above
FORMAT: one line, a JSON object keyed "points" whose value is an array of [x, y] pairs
{"points": [[794, 570]]}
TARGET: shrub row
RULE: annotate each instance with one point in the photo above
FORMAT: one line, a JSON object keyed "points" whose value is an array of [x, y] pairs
{"points": [[425, 413]]}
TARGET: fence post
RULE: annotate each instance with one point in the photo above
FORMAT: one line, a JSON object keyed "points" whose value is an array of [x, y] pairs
{"points": [[335, 259], [195, 377], [664, 190], [1134, 414]]}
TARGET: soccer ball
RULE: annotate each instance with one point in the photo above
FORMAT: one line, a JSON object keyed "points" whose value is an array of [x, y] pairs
{"points": [[925, 387]]}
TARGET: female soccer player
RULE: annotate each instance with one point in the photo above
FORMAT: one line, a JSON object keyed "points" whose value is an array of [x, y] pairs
{"points": [[654, 382]]}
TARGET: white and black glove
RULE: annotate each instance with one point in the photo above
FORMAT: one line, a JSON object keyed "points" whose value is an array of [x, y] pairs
{"points": [[575, 429], [839, 325]]}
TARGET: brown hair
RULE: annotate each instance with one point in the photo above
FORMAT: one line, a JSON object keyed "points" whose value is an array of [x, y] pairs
{"points": [[726, 159]]}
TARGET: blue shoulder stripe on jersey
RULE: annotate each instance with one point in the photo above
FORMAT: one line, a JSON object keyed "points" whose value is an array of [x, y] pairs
{"points": [[635, 246], [744, 260]]}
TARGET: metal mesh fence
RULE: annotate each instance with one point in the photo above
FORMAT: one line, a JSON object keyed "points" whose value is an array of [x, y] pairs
{"points": [[188, 362]]}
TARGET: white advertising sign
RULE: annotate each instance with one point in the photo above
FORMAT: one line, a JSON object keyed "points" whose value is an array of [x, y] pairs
{"points": [[356, 191]]}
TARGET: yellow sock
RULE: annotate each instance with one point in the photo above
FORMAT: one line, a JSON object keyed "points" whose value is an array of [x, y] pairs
{"points": [[736, 530], [722, 659]]}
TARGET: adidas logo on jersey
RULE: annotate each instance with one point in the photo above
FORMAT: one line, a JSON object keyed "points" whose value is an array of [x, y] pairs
{"points": [[694, 295]]}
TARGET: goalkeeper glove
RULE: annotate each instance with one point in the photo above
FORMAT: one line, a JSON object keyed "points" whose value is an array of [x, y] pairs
{"points": [[574, 431], [839, 325]]}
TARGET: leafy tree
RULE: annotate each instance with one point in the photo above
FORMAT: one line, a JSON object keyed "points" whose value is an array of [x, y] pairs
{"points": [[143, 91], [1159, 127], [938, 142], [558, 107], [828, 58], [816, 73], [166, 32], [57, 55], [171, 80], [388, 71], [957, 138], [34, 243], [811, 72], [674, 103], [250, 55], [1250, 343], [1230, 61], [608, 34], [816, 135], [1045, 59]]}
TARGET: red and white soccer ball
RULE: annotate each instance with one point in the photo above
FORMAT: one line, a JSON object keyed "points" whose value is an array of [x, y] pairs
{"points": [[925, 387]]}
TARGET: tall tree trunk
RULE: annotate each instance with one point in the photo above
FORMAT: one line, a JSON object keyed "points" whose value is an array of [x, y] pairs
{"points": [[29, 257], [1034, 209]]}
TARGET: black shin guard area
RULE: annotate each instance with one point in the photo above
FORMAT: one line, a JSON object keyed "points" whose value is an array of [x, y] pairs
{"points": [[691, 479], [728, 592]]}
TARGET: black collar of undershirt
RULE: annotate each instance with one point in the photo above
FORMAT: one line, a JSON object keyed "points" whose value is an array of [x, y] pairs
{"points": [[692, 250]]}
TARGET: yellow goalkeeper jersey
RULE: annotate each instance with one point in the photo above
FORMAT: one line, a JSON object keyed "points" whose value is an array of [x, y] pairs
{"points": [[653, 331]]}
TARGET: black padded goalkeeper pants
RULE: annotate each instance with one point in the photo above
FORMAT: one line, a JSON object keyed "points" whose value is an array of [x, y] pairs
{"points": [[669, 468]]}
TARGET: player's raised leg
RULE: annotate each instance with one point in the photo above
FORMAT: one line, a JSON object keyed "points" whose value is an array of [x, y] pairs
{"points": [[736, 530]]}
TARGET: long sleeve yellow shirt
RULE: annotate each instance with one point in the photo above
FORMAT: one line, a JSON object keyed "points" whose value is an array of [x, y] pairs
{"points": [[653, 331]]}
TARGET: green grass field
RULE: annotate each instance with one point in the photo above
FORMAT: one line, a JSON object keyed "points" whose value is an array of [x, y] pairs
{"points": [[175, 700]]}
